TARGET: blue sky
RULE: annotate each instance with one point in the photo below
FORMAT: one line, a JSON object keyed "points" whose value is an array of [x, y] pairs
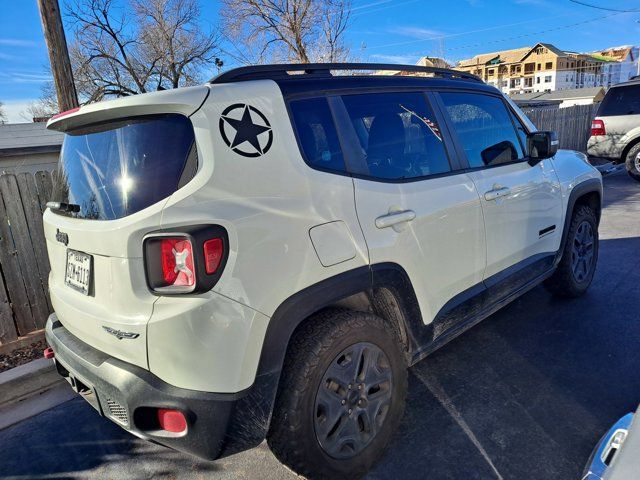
{"points": [[393, 31]]}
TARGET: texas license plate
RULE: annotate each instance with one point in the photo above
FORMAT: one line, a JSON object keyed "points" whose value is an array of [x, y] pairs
{"points": [[78, 274]]}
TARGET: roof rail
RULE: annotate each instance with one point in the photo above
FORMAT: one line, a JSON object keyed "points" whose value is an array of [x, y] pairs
{"points": [[282, 71]]}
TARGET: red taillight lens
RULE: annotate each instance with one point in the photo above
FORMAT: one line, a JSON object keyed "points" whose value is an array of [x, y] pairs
{"points": [[597, 128], [213, 251], [176, 256], [172, 420], [187, 261]]}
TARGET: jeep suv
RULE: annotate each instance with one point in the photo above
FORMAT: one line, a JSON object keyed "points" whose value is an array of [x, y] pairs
{"points": [[615, 132], [265, 255]]}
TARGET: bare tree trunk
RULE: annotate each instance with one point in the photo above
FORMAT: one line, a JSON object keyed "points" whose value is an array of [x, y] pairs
{"points": [[58, 54]]}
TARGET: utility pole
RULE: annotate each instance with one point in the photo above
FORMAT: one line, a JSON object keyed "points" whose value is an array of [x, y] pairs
{"points": [[58, 54]]}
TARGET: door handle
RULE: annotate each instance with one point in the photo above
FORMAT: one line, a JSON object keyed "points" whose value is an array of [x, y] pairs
{"points": [[497, 193], [394, 218]]}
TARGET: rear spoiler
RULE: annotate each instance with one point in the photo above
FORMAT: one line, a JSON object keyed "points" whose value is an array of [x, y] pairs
{"points": [[185, 101]]}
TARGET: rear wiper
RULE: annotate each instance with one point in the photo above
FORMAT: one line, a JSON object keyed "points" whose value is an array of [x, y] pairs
{"points": [[63, 207]]}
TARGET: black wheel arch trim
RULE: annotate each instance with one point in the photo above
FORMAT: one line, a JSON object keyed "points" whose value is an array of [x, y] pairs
{"points": [[592, 185], [252, 415]]}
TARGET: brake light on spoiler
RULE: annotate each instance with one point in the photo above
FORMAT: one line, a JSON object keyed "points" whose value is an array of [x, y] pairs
{"points": [[186, 259], [65, 113]]}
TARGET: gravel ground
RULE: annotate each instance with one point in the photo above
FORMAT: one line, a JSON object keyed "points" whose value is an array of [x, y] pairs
{"points": [[22, 355]]}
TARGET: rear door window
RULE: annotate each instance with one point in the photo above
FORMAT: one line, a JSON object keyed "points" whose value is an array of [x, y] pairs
{"points": [[484, 128], [399, 135], [621, 101], [116, 169]]}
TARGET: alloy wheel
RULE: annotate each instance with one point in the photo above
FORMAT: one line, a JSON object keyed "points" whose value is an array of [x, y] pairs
{"points": [[353, 400], [582, 252]]}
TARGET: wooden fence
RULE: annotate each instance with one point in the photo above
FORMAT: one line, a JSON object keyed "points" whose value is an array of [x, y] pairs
{"points": [[24, 264], [573, 124]]}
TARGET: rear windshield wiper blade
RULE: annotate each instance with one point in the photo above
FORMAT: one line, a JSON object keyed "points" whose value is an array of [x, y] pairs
{"points": [[63, 207]]}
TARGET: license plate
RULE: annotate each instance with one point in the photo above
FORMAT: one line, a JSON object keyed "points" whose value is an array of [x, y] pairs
{"points": [[78, 274]]}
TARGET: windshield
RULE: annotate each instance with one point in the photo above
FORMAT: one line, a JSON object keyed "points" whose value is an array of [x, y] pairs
{"points": [[113, 170]]}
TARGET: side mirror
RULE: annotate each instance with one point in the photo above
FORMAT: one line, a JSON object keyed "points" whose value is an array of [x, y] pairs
{"points": [[541, 145]]}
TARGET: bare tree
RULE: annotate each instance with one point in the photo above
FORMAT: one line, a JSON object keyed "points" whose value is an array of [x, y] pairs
{"points": [[45, 106], [137, 47], [299, 31], [3, 116]]}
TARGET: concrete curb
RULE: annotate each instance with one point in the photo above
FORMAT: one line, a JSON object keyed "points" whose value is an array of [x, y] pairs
{"points": [[29, 379]]}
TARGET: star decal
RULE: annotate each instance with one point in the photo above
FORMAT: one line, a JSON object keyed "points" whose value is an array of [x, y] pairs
{"points": [[246, 130]]}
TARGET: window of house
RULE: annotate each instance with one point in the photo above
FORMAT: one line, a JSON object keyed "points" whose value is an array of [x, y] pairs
{"points": [[398, 134], [548, 65], [547, 79], [317, 134], [537, 79], [484, 128], [539, 66]]}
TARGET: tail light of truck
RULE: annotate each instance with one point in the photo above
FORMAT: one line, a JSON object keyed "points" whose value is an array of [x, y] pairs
{"points": [[187, 261], [597, 128]]}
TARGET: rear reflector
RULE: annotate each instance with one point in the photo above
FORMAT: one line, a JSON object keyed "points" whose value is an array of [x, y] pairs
{"points": [[177, 262], [48, 353], [213, 251], [597, 128], [171, 420]]}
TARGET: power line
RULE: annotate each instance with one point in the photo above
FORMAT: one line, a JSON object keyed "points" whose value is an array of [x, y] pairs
{"points": [[584, 4]]}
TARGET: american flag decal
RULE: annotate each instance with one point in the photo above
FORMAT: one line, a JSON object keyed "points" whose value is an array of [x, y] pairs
{"points": [[433, 127], [429, 123]]}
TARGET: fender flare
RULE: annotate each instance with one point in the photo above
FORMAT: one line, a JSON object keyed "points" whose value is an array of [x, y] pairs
{"points": [[251, 419], [592, 185]]}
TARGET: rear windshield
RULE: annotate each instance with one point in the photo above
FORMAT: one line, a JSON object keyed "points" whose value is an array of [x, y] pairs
{"points": [[621, 101], [113, 170]]}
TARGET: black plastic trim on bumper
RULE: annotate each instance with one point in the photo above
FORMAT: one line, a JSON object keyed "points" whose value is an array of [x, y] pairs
{"points": [[127, 394]]}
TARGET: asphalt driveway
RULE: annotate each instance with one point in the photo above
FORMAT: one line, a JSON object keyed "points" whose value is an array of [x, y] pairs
{"points": [[524, 395]]}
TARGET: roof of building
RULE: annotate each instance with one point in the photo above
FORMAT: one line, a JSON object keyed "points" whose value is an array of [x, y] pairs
{"points": [[506, 56], [433, 62], [16, 138], [560, 95], [614, 54]]}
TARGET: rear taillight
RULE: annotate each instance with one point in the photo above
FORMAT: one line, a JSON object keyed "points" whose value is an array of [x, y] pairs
{"points": [[597, 128], [188, 261], [177, 262]]}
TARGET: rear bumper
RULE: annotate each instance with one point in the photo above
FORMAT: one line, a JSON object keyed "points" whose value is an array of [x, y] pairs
{"points": [[130, 395], [605, 146]]}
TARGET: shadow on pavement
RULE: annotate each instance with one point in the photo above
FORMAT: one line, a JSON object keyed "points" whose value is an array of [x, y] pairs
{"points": [[73, 438], [536, 384]]}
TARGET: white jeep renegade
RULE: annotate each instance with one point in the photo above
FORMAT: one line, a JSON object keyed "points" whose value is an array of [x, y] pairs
{"points": [[265, 255]]}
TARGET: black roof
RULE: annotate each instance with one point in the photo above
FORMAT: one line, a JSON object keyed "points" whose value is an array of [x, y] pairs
{"points": [[317, 77], [632, 81]]}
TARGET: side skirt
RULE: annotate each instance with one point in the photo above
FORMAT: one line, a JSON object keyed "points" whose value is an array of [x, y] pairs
{"points": [[470, 304]]}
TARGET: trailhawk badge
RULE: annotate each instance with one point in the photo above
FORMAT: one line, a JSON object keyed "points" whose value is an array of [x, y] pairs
{"points": [[119, 334], [246, 130]]}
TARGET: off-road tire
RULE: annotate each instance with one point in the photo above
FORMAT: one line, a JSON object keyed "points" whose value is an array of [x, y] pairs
{"points": [[633, 162], [312, 350], [563, 282]]}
